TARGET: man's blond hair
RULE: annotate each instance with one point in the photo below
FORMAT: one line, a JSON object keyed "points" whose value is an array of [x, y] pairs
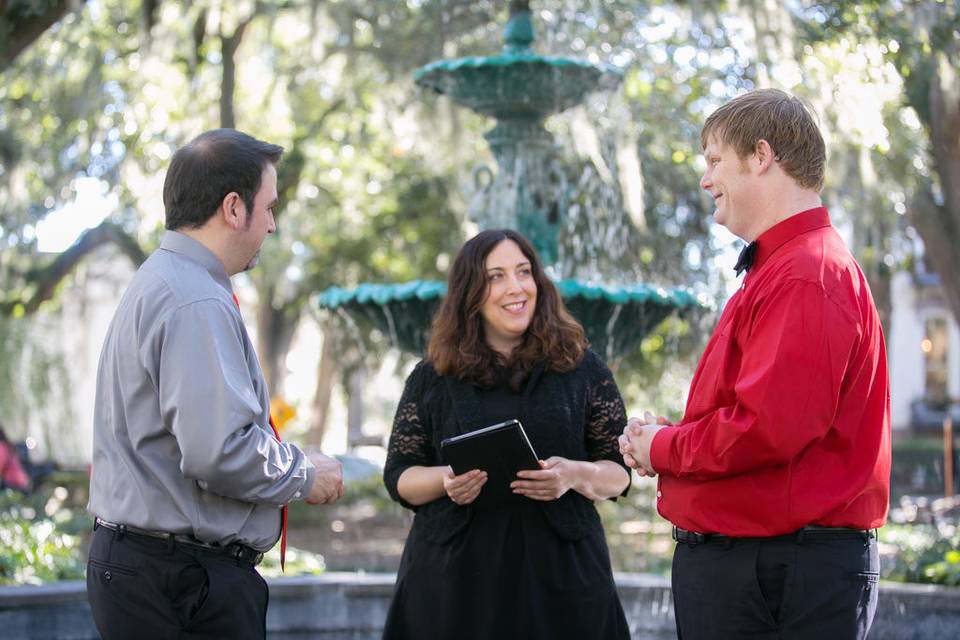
{"points": [[786, 123]]}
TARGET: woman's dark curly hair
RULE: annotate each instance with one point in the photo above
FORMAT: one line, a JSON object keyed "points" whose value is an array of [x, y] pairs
{"points": [[457, 346]]}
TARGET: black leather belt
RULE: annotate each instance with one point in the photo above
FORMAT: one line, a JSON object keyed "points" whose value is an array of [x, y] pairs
{"points": [[811, 531], [236, 551]]}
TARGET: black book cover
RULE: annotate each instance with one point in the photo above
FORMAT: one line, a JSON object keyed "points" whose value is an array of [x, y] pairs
{"points": [[501, 450]]}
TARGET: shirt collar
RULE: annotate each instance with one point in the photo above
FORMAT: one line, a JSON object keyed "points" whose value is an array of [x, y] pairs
{"points": [[195, 250], [782, 232]]}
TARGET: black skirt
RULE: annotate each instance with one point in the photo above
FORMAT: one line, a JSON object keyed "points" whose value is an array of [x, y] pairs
{"points": [[509, 575]]}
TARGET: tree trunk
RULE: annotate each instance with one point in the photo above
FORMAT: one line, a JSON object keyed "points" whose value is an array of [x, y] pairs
{"points": [[229, 45], [326, 377], [356, 383], [275, 329], [939, 223]]}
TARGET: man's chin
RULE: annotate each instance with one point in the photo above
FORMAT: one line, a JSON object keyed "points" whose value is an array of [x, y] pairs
{"points": [[254, 261]]}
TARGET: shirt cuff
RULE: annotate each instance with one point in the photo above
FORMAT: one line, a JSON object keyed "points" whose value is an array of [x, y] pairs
{"points": [[311, 474], [661, 449]]}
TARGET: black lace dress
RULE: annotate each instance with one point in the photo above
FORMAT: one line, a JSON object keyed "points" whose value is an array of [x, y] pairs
{"points": [[529, 569]]}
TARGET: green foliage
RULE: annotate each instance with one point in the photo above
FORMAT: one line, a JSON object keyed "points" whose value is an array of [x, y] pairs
{"points": [[44, 535], [947, 571], [920, 553], [41, 541]]}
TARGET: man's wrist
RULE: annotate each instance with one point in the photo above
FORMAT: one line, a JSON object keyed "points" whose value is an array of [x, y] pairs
{"points": [[660, 447], [311, 476]]}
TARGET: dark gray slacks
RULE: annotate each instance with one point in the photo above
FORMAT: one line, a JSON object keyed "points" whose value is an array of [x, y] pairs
{"points": [[785, 588], [147, 589]]}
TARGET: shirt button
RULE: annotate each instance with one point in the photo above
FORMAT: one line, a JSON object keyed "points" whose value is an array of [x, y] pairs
{"points": [[297, 495], [107, 576], [659, 494]]}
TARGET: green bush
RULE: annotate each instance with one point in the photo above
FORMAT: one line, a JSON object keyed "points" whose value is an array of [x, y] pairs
{"points": [[40, 540], [43, 536], [920, 553], [947, 571], [44, 541]]}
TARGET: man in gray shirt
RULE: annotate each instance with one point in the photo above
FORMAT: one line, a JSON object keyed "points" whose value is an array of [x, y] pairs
{"points": [[189, 479]]}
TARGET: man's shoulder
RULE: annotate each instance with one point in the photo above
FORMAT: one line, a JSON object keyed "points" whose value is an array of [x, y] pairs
{"points": [[167, 284], [177, 279], [823, 262], [817, 257]]}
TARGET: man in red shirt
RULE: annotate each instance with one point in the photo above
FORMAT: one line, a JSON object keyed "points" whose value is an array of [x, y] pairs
{"points": [[779, 472]]}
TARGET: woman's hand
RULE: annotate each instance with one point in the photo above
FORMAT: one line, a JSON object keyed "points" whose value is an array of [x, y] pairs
{"points": [[465, 488], [557, 476]]}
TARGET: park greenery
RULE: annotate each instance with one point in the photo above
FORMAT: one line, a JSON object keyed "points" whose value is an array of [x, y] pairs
{"points": [[374, 182], [44, 534], [372, 186]]}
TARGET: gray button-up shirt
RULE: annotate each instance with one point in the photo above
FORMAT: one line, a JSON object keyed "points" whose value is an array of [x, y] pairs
{"points": [[182, 441]]}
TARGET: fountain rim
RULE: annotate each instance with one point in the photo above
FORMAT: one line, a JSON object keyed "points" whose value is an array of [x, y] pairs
{"points": [[679, 297], [514, 59]]}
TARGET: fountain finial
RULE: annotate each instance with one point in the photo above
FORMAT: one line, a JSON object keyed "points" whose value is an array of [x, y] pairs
{"points": [[529, 193], [518, 34]]}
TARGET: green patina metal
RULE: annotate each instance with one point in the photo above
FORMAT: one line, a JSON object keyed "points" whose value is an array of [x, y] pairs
{"points": [[616, 317], [519, 88]]}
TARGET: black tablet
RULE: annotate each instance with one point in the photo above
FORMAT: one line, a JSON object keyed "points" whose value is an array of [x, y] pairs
{"points": [[501, 450]]}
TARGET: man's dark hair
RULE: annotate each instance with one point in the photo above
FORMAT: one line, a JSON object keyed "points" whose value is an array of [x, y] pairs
{"points": [[209, 167]]}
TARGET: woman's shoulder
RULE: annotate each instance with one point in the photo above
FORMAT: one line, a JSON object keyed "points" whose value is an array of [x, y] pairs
{"points": [[423, 371], [591, 362], [424, 377], [588, 369], [593, 370]]}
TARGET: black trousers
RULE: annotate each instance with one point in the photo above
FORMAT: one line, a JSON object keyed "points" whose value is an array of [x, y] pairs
{"points": [[785, 588], [146, 588]]}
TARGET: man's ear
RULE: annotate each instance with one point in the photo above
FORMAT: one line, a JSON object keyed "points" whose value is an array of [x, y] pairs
{"points": [[233, 210], [763, 156]]}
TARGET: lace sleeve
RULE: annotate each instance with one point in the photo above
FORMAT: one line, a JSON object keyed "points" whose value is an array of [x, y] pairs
{"points": [[607, 415], [410, 442]]}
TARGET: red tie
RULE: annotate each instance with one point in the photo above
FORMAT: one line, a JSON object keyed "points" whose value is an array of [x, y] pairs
{"points": [[283, 510]]}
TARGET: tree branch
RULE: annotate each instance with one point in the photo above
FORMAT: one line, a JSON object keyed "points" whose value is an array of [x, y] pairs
{"points": [[48, 278], [21, 24]]}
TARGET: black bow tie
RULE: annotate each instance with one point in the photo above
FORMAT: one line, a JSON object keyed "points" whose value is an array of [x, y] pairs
{"points": [[745, 261]]}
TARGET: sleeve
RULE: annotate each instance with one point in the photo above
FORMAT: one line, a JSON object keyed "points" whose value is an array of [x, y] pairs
{"points": [[209, 403], [606, 416], [785, 396], [410, 442]]}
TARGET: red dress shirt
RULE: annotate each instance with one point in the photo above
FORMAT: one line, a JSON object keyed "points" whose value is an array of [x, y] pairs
{"points": [[788, 419]]}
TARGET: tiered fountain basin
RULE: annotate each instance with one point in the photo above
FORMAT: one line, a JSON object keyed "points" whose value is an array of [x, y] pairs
{"points": [[616, 317], [518, 85]]}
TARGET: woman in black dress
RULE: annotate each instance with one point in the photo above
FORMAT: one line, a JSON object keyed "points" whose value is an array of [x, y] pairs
{"points": [[503, 346]]}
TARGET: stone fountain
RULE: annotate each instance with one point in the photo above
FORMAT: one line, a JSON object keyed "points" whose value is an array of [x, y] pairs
{"points": [[519, 89]]}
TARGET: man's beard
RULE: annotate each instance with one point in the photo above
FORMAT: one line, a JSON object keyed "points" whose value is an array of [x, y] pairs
{"points": [[254, 261]]}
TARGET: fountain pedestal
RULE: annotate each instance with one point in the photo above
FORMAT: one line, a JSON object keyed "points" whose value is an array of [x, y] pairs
{"points": [[528, 192]]}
